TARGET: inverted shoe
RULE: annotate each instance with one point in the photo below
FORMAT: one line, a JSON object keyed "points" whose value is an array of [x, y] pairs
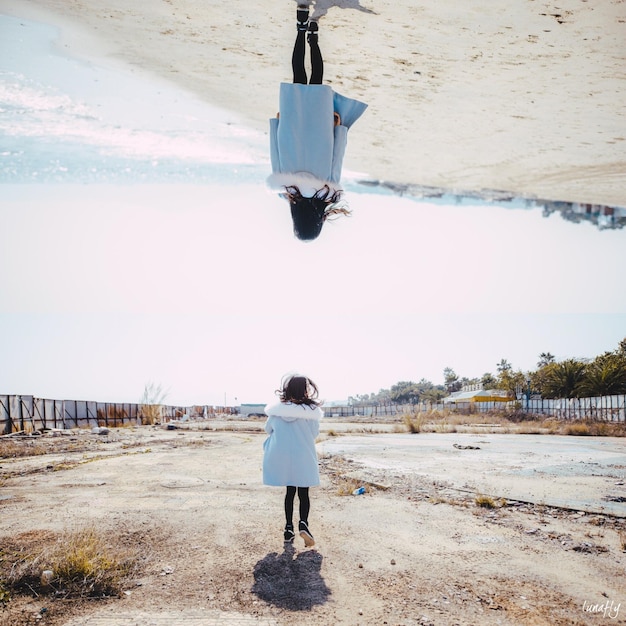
{"points": [[289, 535], [302, 15], [305, 533]]}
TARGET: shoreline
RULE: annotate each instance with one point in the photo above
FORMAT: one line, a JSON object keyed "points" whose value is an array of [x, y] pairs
{"points": [[464, 117]]}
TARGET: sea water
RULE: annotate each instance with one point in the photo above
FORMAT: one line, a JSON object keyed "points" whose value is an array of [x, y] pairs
{"points": [[64, 119]]}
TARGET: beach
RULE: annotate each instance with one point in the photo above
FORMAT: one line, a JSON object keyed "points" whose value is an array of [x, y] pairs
{"points": [[520, 97]]}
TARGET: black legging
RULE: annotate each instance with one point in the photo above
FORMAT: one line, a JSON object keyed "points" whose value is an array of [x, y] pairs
{"points": [[297, 60], [305, 504]]}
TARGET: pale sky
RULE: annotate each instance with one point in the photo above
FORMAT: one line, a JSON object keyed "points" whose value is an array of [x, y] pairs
{"points": [[206, 291], [201, 287]]}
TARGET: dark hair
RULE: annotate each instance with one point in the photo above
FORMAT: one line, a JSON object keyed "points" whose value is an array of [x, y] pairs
{"points": [[299, 390], [309, 214]]}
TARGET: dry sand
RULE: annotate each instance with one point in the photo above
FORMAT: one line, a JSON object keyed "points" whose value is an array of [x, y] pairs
{"points": [[211, 533], [527, 97]]}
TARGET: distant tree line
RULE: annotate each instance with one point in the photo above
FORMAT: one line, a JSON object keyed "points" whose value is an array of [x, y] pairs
{"points": [[604, 375]]}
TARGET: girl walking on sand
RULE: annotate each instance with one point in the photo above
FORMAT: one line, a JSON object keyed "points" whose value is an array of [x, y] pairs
{"points": [[290, 458], [308, 138]]}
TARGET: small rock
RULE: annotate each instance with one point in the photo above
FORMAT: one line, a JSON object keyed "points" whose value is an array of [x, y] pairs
{"points": [[393, 561]]}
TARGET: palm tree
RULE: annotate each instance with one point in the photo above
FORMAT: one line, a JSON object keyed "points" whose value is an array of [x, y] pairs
{"points": [[606, 376], [504, 366], [545, 358], [488, 381], [451, 380], [562, 380]]}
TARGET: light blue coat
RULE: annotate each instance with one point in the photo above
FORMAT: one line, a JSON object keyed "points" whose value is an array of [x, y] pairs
{"points": [[290, 458], [304, 138]]}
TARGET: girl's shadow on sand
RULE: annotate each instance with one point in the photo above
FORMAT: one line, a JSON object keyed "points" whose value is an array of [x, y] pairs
{"points": [[321, 7], [291, 583]]}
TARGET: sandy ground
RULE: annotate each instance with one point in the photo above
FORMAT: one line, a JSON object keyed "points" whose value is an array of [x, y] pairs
{"points": [[527, 97], [409, 551]]}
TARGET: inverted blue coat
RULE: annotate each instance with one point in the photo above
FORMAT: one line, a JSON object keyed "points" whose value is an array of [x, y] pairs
{"points": [[304, 138], [290, 458]]}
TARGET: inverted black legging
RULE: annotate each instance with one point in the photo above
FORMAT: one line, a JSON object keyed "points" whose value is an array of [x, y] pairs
{"points": [[297, 60], [305, 504]]}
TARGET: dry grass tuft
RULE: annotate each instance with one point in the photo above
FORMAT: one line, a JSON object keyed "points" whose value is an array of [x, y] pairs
{"points": [[13, 449], [485, 502], [592, 428], [152, 404], [151, 414], [5, 594], [577, 430], [84, 563], [414, 422], [550, 426], [346, 486], [450, 501], [518, 423], [446, 425]]}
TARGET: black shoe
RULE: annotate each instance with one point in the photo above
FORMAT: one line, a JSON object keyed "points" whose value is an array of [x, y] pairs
{"points": [[312, 36], [302, 15], [305, 533], [289, 535]]}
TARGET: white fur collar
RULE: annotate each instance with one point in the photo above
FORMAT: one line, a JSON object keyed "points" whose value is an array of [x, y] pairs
{"points": [[290, 411], [280, 180]]}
